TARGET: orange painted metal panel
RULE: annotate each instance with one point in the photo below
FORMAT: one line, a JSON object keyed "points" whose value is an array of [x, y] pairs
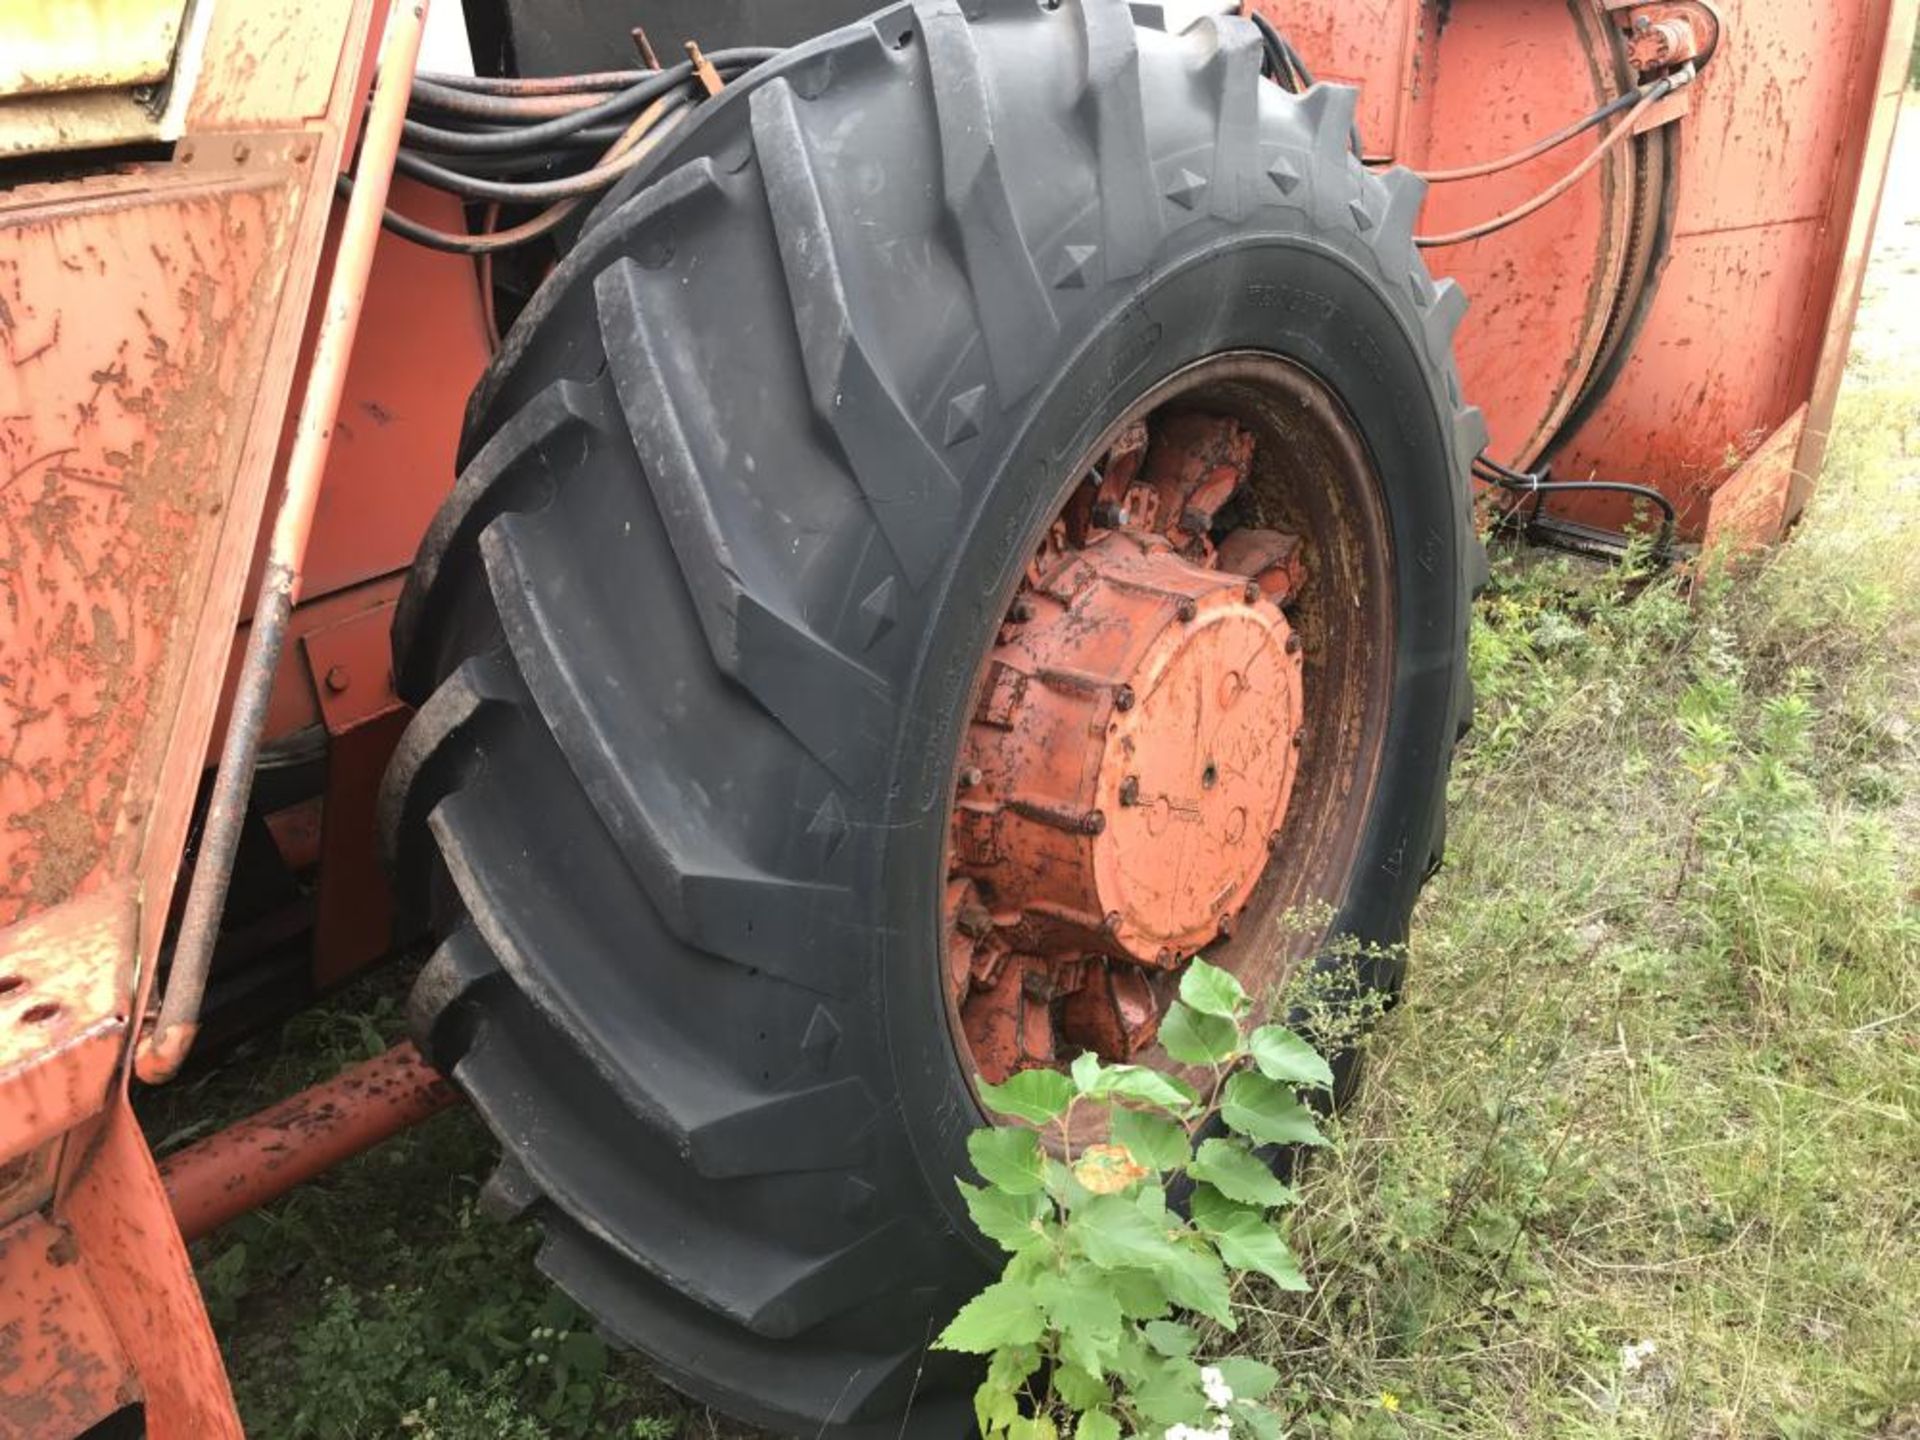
{"points": [[122, 1229], [273, 62], [1781, 156], [1712, 375], [422, 346], [61, 1366], [1543, 290], [132, 362], [1862, 215], [1751, 508]]}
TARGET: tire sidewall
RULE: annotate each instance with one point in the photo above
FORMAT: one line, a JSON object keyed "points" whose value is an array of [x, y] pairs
{"points": [[1319, 305]]}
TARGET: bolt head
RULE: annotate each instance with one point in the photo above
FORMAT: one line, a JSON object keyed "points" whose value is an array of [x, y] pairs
{"points": [[1130, 790], [1123, 698], [338, 679], [1186, 610], [1252, 593], [1094, 822], [970, 777]]}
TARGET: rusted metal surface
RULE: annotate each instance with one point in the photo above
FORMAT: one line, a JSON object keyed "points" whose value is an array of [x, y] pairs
{"points": [[1127, 770], [126, 320], [122, 1232], [62, 1370], [1545, 289], [1763, 222], [1662, 36], [1751, 509], [1855, 213], [1161, 758], [165, 1046], [266, 1155], [64, 982], [276, 62]]}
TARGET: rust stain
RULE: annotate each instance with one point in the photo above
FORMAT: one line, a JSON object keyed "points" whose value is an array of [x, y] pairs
{"points": [[117, 443]]}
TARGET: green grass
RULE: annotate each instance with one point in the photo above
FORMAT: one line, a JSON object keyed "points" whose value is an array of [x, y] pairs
{"points": [[383, 1300], [1637, 1156]]}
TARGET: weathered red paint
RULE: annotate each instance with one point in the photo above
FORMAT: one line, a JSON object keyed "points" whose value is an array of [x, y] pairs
{"points": [[61, 1366], [350, 663], [1781, 153], [1130, 757], [63, 1016], [246, 1165]]}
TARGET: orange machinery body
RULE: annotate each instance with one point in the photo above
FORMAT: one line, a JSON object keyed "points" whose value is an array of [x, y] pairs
{"points": [[1678, 320]]}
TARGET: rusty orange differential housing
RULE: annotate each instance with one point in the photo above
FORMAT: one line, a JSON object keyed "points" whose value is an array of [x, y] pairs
{"points": [[1130, 757]]}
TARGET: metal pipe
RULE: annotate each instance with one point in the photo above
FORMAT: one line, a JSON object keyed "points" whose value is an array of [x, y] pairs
{"points": [[258, 1160], [164, 1047]]}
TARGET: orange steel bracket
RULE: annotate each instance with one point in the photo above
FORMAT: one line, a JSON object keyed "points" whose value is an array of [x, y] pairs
{"points": [[1753, 509], [352, 668], [64, 979]]}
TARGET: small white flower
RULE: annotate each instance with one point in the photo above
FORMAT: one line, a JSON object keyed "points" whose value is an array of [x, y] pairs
{"points": [[1221, 1431], [1219, 1393], [1635, 1356]]}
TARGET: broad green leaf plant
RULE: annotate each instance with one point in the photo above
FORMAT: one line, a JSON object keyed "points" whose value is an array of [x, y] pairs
{"points": [[1091, 1330]]}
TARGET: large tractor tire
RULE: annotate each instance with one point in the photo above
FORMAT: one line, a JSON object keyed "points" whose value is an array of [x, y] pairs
{"points": [[765, 724]]}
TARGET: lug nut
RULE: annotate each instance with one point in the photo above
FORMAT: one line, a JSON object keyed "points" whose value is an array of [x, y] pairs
{"points": [[1123, 698], [1186, 610], [1093, 823], [1252, 593], [970, 777]]}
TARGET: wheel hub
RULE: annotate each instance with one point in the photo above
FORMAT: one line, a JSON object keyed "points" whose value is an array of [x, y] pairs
{"points": [[1129, 762]]}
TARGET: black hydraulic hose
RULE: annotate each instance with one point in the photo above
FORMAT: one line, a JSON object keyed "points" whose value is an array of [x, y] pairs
{"points": [[1520, 482], [526, 137], [523, 86]]}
